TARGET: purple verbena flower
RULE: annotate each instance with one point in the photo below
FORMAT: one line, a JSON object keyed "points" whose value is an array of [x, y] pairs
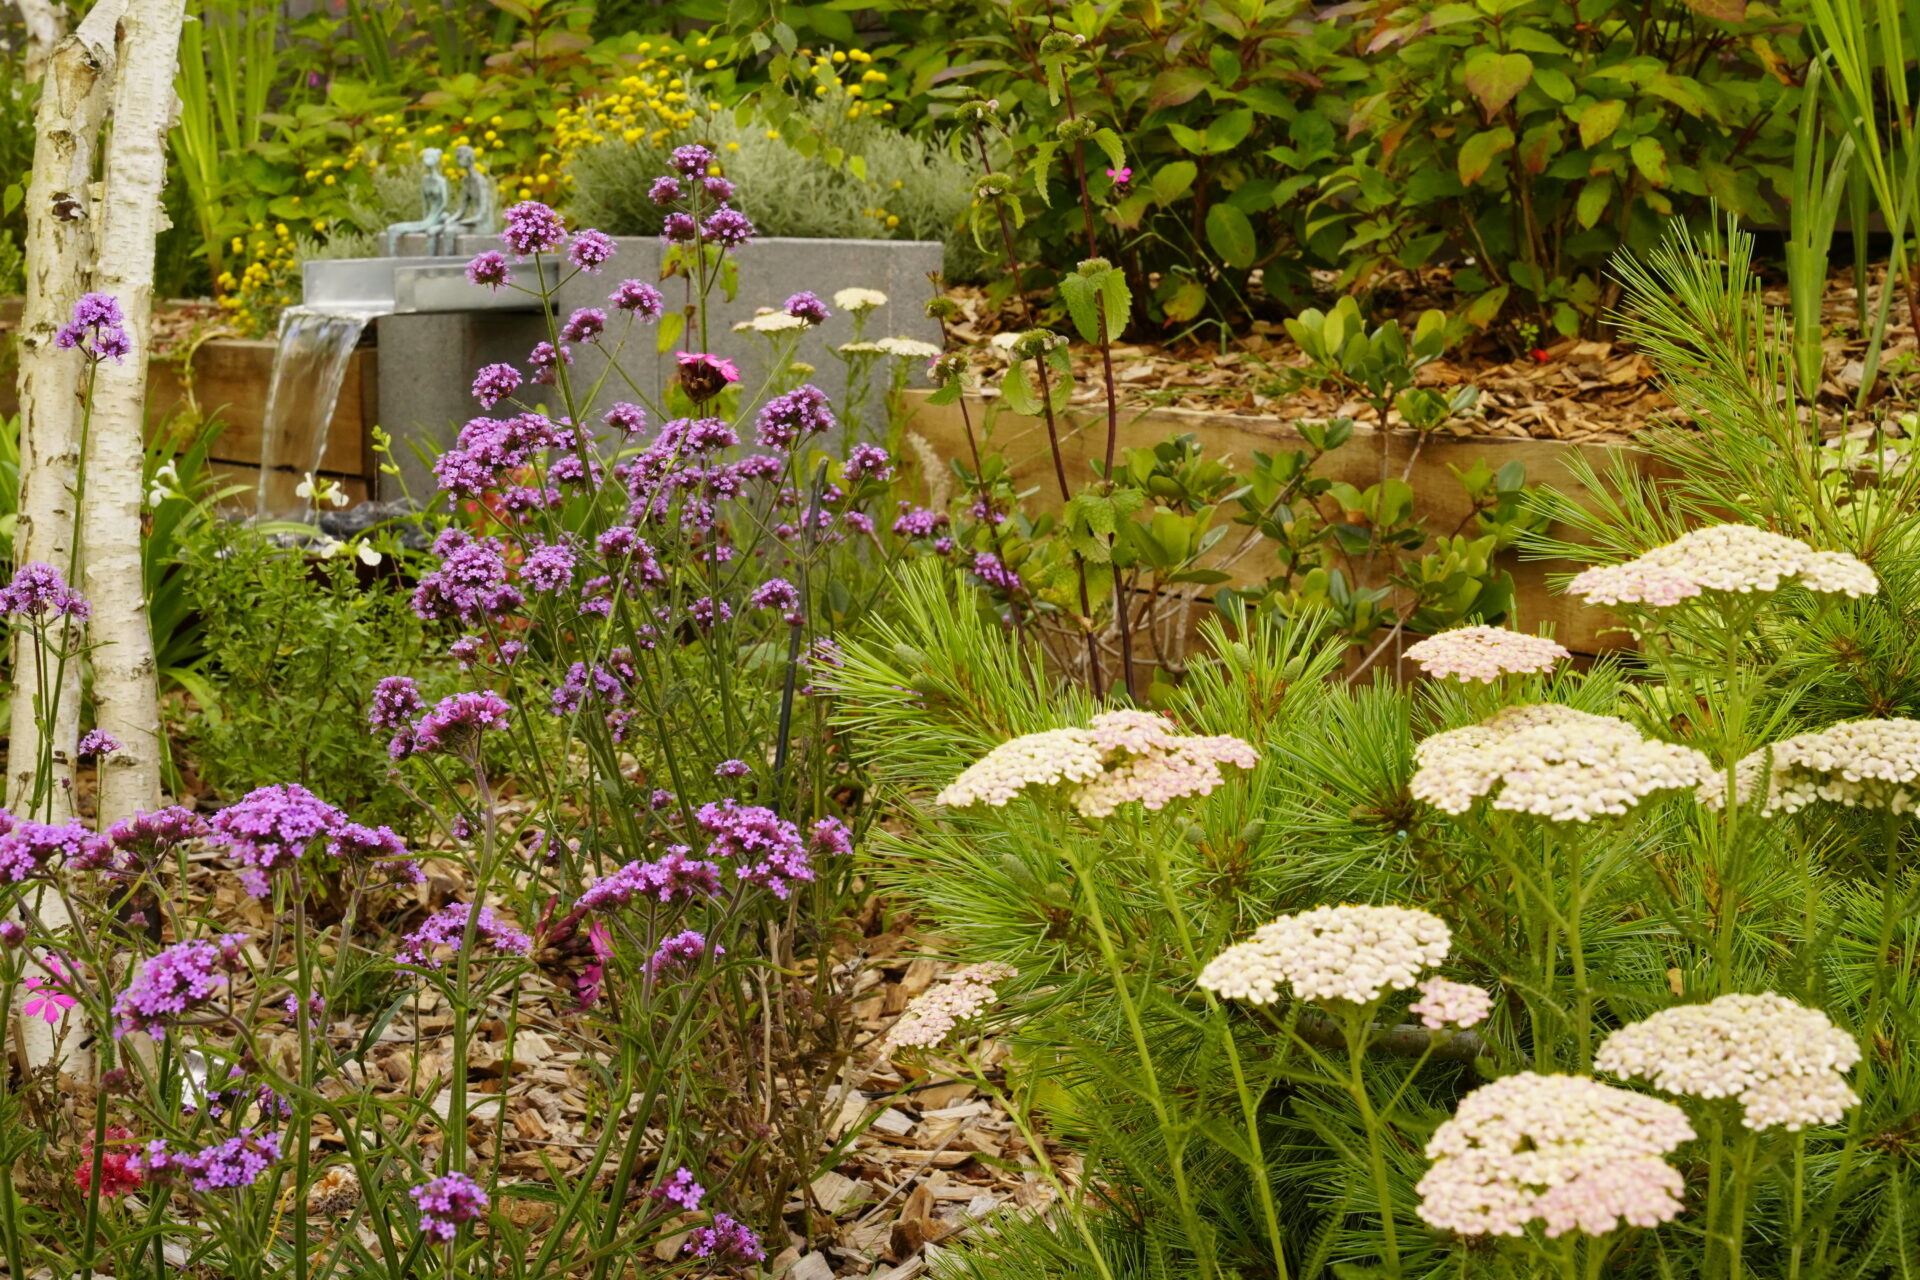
{"points": [[270, 827], [691, 161], [728, 770], [869, 461], [456, 722], [447, 927], [679, 228], [726, 1241], [584, 325], [717, 187], [784, 419], [490, 269], [532, 227], [766, 848], [28, 847], [175, 982], [775, 593], [674, 876], [38, 589], [991, 570], [807, 306], [381, 848], [447, 1202], [666, 189], [495, 383], [545, 361], [678, 952], [147, 835], [629, 419], [549, 567], [918, 522], [639, 297], [591, 250], [396, 701], [681, 1189], [237, 1162], [728, 228]]}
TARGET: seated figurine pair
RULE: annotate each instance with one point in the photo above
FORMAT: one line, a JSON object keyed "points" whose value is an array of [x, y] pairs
{"points": [[443, 225]]}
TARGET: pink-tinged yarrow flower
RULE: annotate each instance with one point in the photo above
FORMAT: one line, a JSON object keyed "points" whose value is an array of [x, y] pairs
{"points": [[1870, 764], [1783, 1061], [1352, 954], [1565, 1151], [1450, 1004], [1484, 654], [930, 1017], [1730, 559]]}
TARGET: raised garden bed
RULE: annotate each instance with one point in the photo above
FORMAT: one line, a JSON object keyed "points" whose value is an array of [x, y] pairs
{"points": [[1437, 494]]}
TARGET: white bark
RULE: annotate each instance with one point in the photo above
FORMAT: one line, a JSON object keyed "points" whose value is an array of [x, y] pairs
{"points": [[60, 206], [60, 239], [45, 22], [125, 692]]}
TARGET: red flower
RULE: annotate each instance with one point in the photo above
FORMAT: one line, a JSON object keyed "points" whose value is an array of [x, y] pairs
{"points": [[118, 1173]]}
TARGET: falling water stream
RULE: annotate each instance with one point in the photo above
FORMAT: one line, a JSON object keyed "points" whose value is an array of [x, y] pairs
{"points": [[309, 367]]}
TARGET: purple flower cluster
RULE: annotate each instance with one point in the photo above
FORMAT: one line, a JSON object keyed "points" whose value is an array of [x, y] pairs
{"points": [[39, 589], [145, 836], [97, 742], [584, 325], [640, 298], [471, 582], [726, 1241], [545, 361], [175, 982], [678, 952], [918, 522], [447, 927], [548, 567], [681, 1189], [775, 593], [591, 250], [237, 1162], [804, 411], [396, 701], [766, 849], [993, 571], [807, 306], [489, 448], [666, 190], [490, 269], [447, 1202], [495, 383], [378, 847], [96, 329], [728, 228], [869, 461], [674, 876], [28, 847], [270, 827], [455, 723], [691, 161], [532, 228]]}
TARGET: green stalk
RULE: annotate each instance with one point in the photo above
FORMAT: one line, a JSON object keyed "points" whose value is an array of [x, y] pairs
{"points": [[1356, 1025]]}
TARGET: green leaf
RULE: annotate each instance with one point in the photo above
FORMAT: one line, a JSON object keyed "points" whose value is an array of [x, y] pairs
{"points": [[1190, 139], [672, 325], [1485, 309], [1539, 145], [1109, 142], [1479, 151], [1650, 158], [15, 193], [1555, 84], [1594, 198], [1117, 299], [1186, 301], [1720, 10], [1082, 296], [1494, 78], [1231, 235], [1171, 181], [1017, 393], [1176, 85], [1598, 121], [1230, 130]]}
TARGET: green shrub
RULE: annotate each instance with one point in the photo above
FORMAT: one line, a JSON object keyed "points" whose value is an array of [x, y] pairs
{"points": [[912, 189], [294, 644]]}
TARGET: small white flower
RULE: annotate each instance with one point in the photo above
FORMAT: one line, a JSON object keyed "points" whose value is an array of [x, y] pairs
{"points": [[770, 322], [858, 300], [368, 556], [318, 491], [909, 347], [328, 548]]}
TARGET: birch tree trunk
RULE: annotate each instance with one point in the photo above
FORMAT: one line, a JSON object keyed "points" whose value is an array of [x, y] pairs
{"points": [[125, 692], [46, 22], [74, 97], [60, 209]]}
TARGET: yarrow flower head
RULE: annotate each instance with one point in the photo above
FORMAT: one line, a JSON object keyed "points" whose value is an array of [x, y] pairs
{"points": [[1450, 1004], [532, 227], [1783, 1061], [1121, 758], [175, 982], [859, 301], [1869, 764], [1730, 559], [1484, 654], [1354, 954], [448, 1202], [1553, 762], [930, 1017], [447, 928], [1565, 1151]]}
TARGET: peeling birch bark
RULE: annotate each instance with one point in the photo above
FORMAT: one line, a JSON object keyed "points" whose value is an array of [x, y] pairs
{"points": [[125, 691]]}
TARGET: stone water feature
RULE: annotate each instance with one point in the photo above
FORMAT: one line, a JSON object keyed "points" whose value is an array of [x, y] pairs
{"points": [[431, 329]]}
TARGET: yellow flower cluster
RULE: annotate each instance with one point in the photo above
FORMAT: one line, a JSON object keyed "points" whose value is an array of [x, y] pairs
{"points": [[871, 80], [649, 104], [252, 300]]}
